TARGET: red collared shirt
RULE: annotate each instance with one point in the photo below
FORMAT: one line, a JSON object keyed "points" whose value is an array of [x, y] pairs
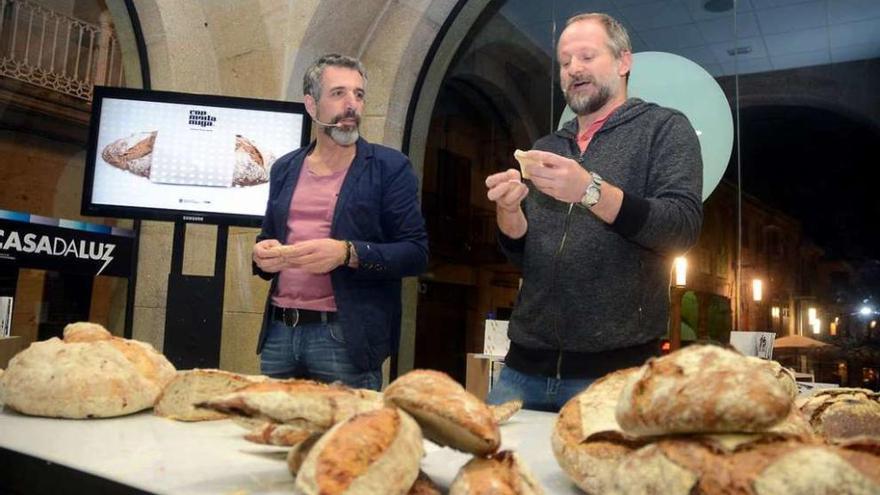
{"points": [[584, 138]]}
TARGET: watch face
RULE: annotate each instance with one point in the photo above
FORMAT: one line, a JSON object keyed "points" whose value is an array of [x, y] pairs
{"points": [[592, 195]]}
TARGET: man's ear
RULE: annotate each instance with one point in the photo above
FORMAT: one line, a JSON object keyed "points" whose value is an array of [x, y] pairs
{"points": [[311, 105], [626, 60]]}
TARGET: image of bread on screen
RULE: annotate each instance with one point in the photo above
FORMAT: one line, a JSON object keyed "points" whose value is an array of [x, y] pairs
{"points": [[252, 162], [88, 374], [448, 414], [368, 453], [501, 473], [133, 153]]}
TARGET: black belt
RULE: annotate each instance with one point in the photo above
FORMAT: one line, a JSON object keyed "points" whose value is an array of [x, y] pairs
{"points": [[293, 317]]}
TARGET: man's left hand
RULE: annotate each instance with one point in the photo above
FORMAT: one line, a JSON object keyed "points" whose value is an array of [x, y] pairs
{"points": [[316, 255], [561, 178]]}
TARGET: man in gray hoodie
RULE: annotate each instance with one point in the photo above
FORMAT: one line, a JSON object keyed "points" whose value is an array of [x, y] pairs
{"points": [[610, 200]]}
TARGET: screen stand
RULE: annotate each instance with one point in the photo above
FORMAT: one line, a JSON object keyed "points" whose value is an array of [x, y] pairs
{"points": [[194, 308]]}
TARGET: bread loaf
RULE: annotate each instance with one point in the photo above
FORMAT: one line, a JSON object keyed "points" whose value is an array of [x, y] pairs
{"points": [[369, 453], [133, 153], [840, 414], [448, 414], [500, 474], [252, 163], [302, 403], [503, 412], [89, 374], [189, 387], [703, 389], [587, 441], [424, 486], [280, 434], [689, 466], [298, 452]]}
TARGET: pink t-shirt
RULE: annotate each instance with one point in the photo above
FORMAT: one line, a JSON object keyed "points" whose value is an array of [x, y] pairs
{"points": [[311, 212], [584, 138]]}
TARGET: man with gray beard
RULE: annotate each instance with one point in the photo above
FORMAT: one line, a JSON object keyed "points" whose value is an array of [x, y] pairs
{"points": [[610, 200], [342, 227]]}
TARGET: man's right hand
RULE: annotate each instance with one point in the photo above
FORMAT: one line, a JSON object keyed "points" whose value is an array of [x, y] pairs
{"points": [[506, 190], [266, 258]]}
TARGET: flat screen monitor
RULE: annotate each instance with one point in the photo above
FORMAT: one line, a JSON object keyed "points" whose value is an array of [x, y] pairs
{"points": [[159, 155]]}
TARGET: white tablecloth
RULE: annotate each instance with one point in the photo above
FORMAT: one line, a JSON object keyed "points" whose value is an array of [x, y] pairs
{"points": [[164, 456]]}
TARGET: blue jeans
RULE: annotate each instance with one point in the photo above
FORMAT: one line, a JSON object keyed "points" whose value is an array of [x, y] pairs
{"points": [[536, 392], [315, 351]]}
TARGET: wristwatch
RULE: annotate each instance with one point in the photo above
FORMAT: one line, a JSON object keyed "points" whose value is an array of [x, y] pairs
{"points": [[593, 192]]}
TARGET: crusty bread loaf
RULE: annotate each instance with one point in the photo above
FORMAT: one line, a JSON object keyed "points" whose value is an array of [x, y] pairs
{"points": [[303, 403], [133, 153], [424, 485], [88, 374], [703, 388], [373, 452], [587, 441], [689, 466], [252, 163], [500, 474], [840, 414], [505, 411], [448, 414], [189, 387]]}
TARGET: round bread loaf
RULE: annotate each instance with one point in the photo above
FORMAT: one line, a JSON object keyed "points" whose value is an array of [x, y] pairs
{"points": [[89, 374], [844, 413], [587, 441], [133, 153], [701, 389], [500, 474], [373, 452], [448, 414]]}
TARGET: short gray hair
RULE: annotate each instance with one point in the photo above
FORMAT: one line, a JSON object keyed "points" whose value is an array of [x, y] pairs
{"points": [[312, 77], [618, 39]]}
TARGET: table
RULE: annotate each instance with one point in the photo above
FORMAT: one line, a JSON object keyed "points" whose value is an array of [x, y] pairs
{"points": [[145, 453]]}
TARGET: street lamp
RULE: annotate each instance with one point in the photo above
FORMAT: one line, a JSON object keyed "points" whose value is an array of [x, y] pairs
{"points": [[681, 268]]}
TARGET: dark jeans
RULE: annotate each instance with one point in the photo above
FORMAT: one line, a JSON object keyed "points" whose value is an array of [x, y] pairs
{"points": [[536, 392], [315, 351]]}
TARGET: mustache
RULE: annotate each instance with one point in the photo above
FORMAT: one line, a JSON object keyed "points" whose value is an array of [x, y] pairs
{"points": [[580, 79], [348, 114]]}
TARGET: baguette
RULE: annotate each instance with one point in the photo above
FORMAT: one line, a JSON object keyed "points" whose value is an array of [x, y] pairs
{"points": [[189, 387]]}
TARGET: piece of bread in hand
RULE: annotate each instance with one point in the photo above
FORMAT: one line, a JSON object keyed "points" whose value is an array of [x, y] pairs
{"points": [[703, 389], [526, 162], [448, 414], [369, 453], [500, 474], [190, 387], [88, 374], [133, 153]]}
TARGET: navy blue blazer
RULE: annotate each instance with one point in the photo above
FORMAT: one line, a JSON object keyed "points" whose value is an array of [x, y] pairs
{"points": [[378, 211]]}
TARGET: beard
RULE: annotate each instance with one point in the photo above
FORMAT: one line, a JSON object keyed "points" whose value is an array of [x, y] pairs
{"points": [[585, 104], [341, 135]]}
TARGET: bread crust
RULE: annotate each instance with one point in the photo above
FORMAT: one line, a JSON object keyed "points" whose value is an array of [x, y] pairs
{"points": [[448, 414], [502, 473], [373, 452], [703, 389]]}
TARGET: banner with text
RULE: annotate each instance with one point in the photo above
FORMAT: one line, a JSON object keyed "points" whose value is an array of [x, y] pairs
{"points": [[31, 241]]}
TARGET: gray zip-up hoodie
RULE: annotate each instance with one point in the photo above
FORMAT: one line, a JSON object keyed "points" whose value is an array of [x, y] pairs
{"points": [[590, 287]]}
